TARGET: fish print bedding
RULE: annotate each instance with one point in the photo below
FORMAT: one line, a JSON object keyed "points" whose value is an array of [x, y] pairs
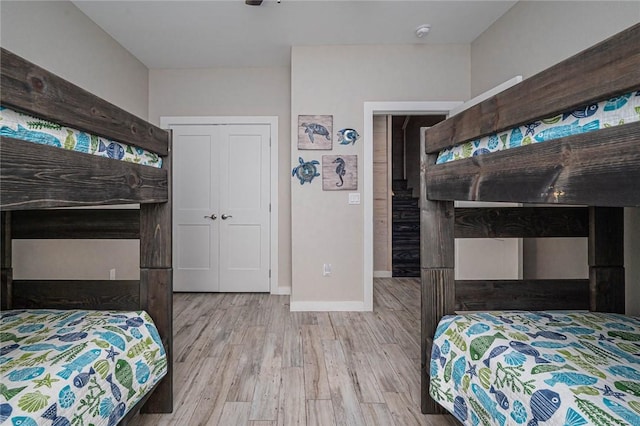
{"points": [[538, 368], [76, 367], [21, 126], [607, 113]]}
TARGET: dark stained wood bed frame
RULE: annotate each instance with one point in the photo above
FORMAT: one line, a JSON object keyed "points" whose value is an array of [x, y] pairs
{"points": [[600, 169], [35, 178]]}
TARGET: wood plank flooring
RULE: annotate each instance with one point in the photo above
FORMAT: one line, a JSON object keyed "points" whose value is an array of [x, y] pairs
{"points": [[244, 359]]}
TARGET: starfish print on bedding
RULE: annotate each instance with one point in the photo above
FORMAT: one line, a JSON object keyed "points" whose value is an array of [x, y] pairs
{"points": [[531, 127], [111, 354], [46, 381]]}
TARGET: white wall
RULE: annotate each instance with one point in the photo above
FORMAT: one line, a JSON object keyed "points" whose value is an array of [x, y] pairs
{"points": [[529, 38], [234, 92], [337, 80], [61, 39]]}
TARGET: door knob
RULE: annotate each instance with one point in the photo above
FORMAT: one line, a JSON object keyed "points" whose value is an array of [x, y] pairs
{"points": [[212, 217], [226, 216]]}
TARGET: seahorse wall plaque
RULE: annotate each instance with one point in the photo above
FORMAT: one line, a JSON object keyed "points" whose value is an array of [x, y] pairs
{"points": [[339, 172], [315, 131]]}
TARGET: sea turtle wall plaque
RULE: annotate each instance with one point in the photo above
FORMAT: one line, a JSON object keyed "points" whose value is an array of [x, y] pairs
{"points": [[339, 172], [306, 170], [315, 131]]}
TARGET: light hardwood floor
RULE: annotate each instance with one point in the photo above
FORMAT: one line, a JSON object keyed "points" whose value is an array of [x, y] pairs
{"points": [[244, 359]]}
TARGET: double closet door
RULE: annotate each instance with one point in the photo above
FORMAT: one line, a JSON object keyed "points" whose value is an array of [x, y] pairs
{"points": [[221, 234]]}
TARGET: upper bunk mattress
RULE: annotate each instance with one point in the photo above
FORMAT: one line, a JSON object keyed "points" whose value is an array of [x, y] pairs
{"points": [[76, 367], [25, 127], [551, 368], [607, 113]]}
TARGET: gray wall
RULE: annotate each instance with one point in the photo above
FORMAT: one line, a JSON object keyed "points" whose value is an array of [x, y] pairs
{"points": [[235, 92], [530, 37], [324, 228], [60, 38]]}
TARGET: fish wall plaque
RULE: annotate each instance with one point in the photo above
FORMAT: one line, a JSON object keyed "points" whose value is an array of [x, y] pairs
{"points": [[347, 136]]}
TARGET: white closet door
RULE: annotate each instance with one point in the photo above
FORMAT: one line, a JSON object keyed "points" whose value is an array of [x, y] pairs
{"points": [[244, 203], [196, 235], [221, 208]]}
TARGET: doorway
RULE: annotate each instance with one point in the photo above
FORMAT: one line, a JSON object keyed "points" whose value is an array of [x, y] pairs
{"points": [[399, 108], [223, 181], [384, 108], [405, 191]]}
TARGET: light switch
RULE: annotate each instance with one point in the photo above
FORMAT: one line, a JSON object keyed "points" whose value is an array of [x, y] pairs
{"points": [[354, 198]]}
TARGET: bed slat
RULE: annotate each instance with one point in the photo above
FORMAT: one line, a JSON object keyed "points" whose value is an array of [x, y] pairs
{"points": [[37, 176], [29, 88], [598, 168], [76, 224], [76, 294], [522, 222], [529, 295], [611, 67]]}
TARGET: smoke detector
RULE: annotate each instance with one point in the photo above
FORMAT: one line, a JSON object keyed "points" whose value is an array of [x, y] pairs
{"points": [[423, 30]]}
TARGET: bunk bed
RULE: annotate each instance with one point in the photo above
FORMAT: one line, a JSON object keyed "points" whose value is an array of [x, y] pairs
{"points": [[494, 363], [113, 322]]}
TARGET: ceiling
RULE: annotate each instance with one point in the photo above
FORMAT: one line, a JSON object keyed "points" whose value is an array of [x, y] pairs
{"points": [[228, 33]]}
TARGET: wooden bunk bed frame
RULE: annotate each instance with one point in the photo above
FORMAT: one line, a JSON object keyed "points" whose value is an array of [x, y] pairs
{"points": [[35, 178], [600, 169]]}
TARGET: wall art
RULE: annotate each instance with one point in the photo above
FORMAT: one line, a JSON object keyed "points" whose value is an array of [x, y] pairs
{"points": [[347, 136], [339, 172], [306, 170], [314, 131]]}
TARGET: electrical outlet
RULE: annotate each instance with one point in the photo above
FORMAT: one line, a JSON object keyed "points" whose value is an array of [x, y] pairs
{"points": [[112, 274], [326, 270]]}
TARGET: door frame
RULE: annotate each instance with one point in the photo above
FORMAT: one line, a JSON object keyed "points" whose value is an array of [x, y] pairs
{"points": [[272, 121], [379, 108], [400, 108]]}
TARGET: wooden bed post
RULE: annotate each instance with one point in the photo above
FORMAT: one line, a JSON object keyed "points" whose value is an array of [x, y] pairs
{"points": [[156, 285], [437, 273], [606, 259], [6, 273]]}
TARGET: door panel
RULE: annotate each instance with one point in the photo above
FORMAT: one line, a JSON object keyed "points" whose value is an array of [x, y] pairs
{"points": [[194, 247], [244, 196], [196, 236]]}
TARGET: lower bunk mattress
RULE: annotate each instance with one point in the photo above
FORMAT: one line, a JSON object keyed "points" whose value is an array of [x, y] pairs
{"points": [[76, 367], [547, 368]]}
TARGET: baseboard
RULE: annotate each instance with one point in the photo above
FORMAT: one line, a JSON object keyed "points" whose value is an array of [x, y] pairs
{"points": [[282, 291], [382, 274], [354, 306]]}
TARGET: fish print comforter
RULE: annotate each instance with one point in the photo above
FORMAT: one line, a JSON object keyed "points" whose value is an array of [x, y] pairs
{"points": [[21, 126], [599, 115], [538, 368], [76, 367]]}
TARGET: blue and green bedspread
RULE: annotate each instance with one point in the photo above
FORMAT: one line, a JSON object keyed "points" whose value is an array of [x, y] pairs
{"points": [[611, 112], [21, 126], [76, 367], [530, 368]]}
